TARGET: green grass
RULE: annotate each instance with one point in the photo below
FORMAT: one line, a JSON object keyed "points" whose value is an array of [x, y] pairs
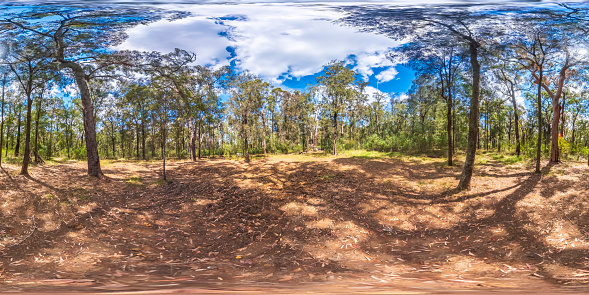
{"points": [[49, 196], [327, 176], [505, 159], [136, 180], [160, 182]]}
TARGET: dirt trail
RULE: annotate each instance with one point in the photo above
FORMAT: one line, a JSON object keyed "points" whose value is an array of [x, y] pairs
{"points": [[283, 221]]}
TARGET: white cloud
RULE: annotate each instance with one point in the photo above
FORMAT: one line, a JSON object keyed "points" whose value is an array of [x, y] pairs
{"points": [[193, 34], [372, 92], [387, 75], [269, 40], [368, 61]]}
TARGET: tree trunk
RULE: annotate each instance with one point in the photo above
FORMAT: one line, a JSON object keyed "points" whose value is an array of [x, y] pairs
{"points": [[449, 103], [335, 131], [562, 118], [113, 138], [165, 124], [264, 132], [554, 150], [199, 139], [143, 138], [89, 124], [316, 133], [539, 104], [137, 140], [36, 145], [192, 143], [26, 157], [473, 124], [87, 108], [516, 118], [2, 123], [17, 145], [246, 151]]}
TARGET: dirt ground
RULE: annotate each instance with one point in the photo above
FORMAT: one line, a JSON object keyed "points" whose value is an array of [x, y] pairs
{"points": [[295, 222]]}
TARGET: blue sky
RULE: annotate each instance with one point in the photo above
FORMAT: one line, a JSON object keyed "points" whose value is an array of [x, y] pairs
{"points": [[285, 43]]}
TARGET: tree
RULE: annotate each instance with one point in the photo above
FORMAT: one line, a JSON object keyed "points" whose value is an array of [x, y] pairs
{"points": [[508, 74], [30, 63], [338, 86], [420, 25], [248, 94]]}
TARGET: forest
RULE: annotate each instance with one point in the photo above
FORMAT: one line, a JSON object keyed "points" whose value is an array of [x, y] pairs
{"points": [[150, 105], [497, 90]]}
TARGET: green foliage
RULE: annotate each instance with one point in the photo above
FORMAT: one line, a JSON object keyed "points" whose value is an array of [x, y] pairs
{"points": [[564, 147]]}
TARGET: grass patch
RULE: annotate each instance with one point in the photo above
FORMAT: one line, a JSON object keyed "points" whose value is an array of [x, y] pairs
{"points": [[80, 193], [327, 176], [50, 196], [505, 159], [161, 182], [364, 154], [136, 180]]}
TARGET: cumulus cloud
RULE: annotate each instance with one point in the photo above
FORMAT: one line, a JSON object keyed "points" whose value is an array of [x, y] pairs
{"points": [[372, 93], [280, 40], [195, 34]]}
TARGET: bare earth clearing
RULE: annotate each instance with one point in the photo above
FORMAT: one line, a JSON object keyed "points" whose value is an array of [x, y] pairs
{"points": [[292, 221]]}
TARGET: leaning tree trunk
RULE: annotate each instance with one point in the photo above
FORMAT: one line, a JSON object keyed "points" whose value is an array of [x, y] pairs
{"points": [[473, 124], [87, 109], [88, 116]]}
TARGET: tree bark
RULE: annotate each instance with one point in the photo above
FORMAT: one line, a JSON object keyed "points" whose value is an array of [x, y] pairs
{"points": [[335, 131], [199, 139], [473, 124], [516, 118], [554, 150], [246, 151], [192, 143], [143, 138], [137, 140], [38, 159], [26, 157], [17, 145], [2, 124], [539, 110], [264, 132], [449, 129]]}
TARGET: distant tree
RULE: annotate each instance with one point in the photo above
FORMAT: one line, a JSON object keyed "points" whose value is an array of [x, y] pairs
{"points": [[248, 93], [338, 85]]}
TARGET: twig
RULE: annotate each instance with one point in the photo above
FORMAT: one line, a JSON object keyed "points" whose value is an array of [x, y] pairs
{"points": [[29, 235]]}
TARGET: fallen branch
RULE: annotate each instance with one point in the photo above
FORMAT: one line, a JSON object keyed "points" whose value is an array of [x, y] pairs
{"points": [[28, 236]]}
